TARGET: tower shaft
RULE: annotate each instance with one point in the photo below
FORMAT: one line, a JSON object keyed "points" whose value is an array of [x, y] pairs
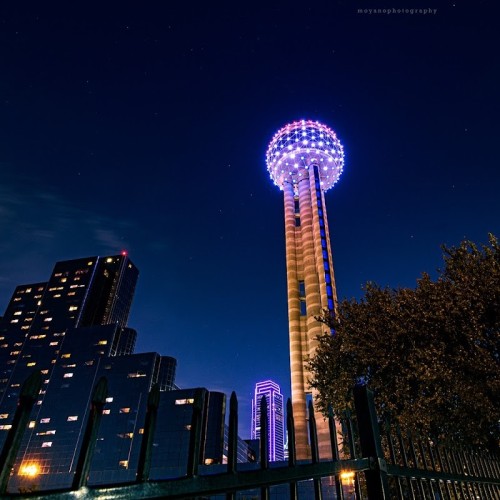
{"points": [[311, 290]]}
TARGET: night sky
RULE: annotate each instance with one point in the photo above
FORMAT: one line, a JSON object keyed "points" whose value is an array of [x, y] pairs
{"points": [[143, 126]]}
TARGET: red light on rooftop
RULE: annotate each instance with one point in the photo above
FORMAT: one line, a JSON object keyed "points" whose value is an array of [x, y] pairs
{"points": [[124, 253]]}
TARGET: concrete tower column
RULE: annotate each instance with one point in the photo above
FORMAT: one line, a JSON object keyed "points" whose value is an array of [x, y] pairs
{"points": [[297, 337]]}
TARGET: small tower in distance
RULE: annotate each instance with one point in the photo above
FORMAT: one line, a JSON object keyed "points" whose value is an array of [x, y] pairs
{"points": [[305, 159], [275, 419]]}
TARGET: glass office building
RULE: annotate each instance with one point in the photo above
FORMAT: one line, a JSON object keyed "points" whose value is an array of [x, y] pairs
{"points": [[73, 329]]}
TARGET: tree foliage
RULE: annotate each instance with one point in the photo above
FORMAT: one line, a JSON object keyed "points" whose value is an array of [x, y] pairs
{"points": [[431, 354]]}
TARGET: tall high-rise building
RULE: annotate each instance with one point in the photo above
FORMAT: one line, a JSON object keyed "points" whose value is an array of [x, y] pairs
{"points": [[275, 419], [80, 293], [305, 159]]}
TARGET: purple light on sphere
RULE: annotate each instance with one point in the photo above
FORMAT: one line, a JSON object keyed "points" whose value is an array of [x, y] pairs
{"points": [[301, 144]]}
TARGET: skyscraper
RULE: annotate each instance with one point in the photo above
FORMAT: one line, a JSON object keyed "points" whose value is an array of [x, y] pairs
{"points": [[275, 420], [305, 159], [80, 293]]}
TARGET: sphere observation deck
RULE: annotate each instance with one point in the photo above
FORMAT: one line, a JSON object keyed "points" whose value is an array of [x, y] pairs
{"points": [[300, 145]]}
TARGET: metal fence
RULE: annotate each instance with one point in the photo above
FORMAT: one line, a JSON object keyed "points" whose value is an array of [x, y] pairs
{"points": [[376, 461]]}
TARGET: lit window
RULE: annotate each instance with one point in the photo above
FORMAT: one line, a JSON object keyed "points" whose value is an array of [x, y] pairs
{"points": [[188, 401], [31, 363], [44, 372], [67, 375], [70, 294], [109, 259], [109, 400], [123, 463], [17, 299], [15, 385], [46, 433], [72, 418], [136, 375], [4, 415], [5, 427], [48, 319], [73, 308], [25, 327], [127, 435], [56, 275], [46, 444], [106, 412], [89, 363], [102, 342], [57, 295], [18, 313], [31, 425], [68, 355], [63, 280], [28, 290], [15, 321], [45, 420], [124, 410], [54, 343], [89, 263], [141, 430], [14, 353]]}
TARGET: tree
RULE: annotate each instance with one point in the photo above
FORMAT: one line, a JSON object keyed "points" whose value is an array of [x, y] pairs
{"points": [[431, 354]]}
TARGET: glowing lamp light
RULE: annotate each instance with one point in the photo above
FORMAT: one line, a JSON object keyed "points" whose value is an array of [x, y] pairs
{"points": [[124, 253], [347, 475], [303, 135], [30, 470]]}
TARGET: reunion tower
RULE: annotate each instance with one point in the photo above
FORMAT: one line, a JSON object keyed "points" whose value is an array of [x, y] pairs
{"points": [[305, 159]]}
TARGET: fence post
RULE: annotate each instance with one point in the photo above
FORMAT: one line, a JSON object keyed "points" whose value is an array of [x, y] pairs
{"points": [[264, 445], [196, 433], [371, 447], [232, 445], [89, 438], [144, 465], [29, 394]]}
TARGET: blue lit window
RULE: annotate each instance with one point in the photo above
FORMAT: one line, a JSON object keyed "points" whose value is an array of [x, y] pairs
{"points": [[302, 289], [303, 309]]}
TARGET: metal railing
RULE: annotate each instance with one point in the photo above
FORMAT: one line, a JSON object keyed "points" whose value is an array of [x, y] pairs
{"points": [[372, 464]]}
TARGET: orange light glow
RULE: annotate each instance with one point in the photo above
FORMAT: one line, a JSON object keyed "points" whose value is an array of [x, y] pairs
{"points": [[347, 475], [29, 470]]}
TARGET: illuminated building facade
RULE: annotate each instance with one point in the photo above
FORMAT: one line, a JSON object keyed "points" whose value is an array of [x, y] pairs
{"points": [[275, 417], [305, 159]]}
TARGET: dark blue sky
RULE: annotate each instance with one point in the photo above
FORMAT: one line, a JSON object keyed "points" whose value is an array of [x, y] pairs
{"points": [[144, 127]]}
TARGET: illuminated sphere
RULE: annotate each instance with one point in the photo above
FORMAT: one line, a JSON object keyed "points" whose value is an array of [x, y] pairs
{"points": [[300, 145]]}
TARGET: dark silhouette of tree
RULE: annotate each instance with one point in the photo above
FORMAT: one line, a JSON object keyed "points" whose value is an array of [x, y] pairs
{"points": [[431, 354]]}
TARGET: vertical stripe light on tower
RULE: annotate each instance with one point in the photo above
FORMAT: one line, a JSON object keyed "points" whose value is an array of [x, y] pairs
{"points": [[305, 159]]}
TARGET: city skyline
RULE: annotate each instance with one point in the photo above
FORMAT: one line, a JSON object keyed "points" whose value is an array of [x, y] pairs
{"points": [[145, 129]]}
